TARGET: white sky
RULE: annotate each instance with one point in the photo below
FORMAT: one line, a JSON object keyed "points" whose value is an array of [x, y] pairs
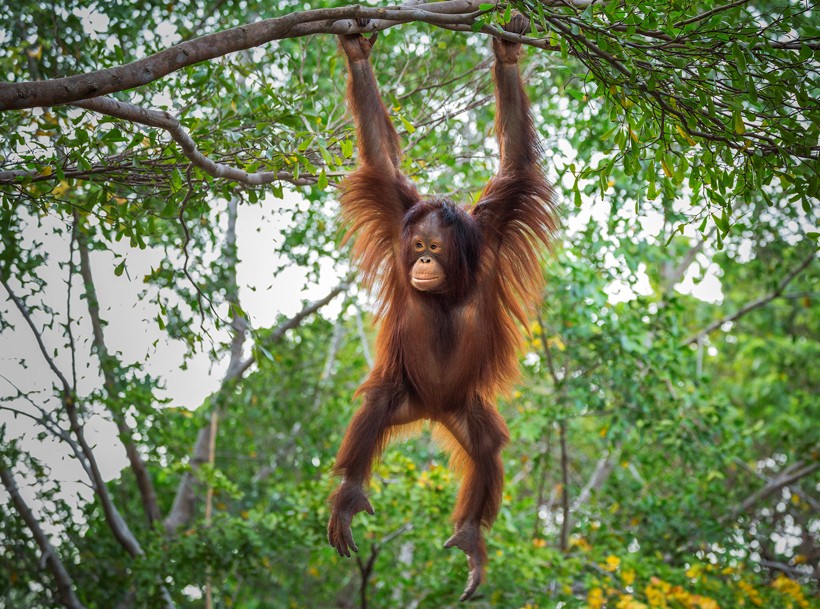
{"points": [[132, 331]]}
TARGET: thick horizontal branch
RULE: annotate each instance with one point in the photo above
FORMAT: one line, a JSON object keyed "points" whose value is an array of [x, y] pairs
{"points": [[15, 96], [451, 14]]}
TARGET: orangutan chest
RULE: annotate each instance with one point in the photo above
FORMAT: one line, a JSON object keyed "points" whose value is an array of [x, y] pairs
{"points": [[443, 347]]}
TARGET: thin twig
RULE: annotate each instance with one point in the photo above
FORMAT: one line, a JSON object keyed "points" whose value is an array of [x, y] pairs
{"points": [[566, 522]]}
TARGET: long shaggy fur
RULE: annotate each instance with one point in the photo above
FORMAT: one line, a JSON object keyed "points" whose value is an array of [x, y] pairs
{"points": [[444, 355]]}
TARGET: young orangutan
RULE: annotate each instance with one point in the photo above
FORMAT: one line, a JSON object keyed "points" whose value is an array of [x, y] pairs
{"points": [[453, 286]]}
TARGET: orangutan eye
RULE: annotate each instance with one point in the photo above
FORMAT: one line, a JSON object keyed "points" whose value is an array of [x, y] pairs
{"points": [[433, 247], [419, 245]]}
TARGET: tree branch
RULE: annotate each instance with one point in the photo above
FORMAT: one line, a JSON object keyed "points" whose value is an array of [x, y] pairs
{"points": [[164, 120], [366, 569], [66, 387], [119, 528], [15, 96], [603, 468], [185, 500], [756, 304], [108, 365], [451, 14], [293, 322], [65, 585], [566, 523], [707, 14], [788, 476]]}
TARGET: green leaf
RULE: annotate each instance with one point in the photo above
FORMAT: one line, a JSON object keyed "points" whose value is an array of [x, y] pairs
{"points": [[576, 94], [118, 270], [407, 124], [325, 155]]}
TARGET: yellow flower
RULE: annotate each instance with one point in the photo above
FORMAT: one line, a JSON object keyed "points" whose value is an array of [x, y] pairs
{"points": [[751, 593], [612, 563], [703, 602], [627, 601], [628, 577], [791, 588], [580, 543], [595, 598]]}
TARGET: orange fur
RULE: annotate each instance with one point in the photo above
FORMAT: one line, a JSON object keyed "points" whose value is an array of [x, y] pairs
{"points": [[444, 356]]}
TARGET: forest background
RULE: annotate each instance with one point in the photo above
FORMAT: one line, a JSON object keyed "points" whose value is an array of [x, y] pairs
{"points": [[182, 334]]}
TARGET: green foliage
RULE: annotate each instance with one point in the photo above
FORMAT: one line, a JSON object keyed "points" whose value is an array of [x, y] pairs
{"points": [[687, 161]]}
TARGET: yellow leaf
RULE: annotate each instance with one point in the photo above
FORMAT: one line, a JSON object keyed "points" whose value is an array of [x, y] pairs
{"points": [[685, 135], [666, 169], [740, 127], [557, 343], [60, 189]]}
